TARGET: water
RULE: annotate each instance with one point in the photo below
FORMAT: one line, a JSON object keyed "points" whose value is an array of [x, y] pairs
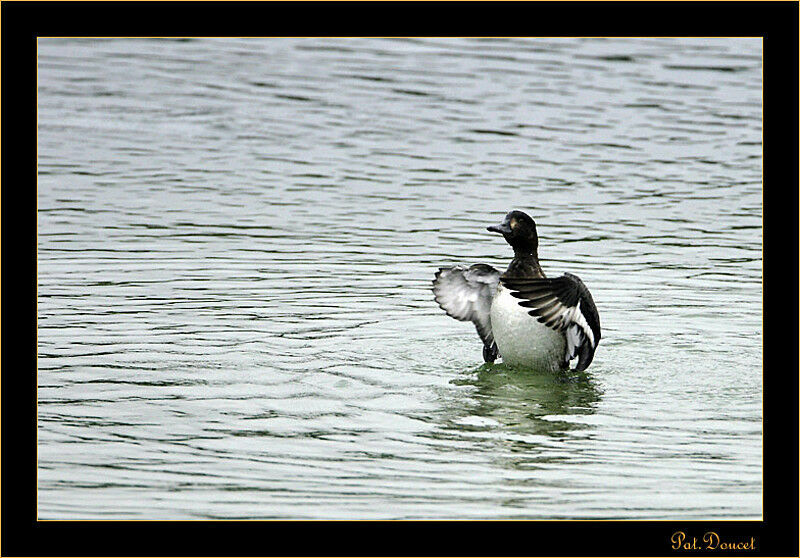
{"points": [[236, 240]]}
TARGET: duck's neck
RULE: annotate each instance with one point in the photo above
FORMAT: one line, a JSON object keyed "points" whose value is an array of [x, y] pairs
{"points": [[525, 264]]}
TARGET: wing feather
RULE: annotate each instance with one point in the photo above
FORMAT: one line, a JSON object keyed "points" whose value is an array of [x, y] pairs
{"points": [[563, 304], [466, 294]]}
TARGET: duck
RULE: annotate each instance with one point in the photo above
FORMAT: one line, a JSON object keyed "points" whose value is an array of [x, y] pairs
{"points": [[522, 316]]}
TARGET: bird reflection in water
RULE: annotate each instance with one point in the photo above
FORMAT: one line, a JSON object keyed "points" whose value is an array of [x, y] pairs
{"points": [[522, 405]]}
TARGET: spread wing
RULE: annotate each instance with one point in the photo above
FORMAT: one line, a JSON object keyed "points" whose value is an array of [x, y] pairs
{"points": [[563, 304], [466, 293]]}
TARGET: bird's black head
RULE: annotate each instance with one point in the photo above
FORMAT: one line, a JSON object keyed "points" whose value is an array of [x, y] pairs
{"points": [[519, 230]]}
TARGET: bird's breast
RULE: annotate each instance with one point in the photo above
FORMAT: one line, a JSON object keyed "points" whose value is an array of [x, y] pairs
{"points": [[521, 339]]}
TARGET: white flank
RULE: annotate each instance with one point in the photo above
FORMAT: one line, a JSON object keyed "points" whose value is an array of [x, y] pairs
{"points": [[573, 341], [581, 321]]}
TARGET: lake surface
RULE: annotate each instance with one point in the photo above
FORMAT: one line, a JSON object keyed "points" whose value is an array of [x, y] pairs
{"points": [[236, 241]]}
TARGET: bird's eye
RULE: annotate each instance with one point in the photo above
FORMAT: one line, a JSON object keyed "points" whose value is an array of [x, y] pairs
{"points": [[513, 223]]}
